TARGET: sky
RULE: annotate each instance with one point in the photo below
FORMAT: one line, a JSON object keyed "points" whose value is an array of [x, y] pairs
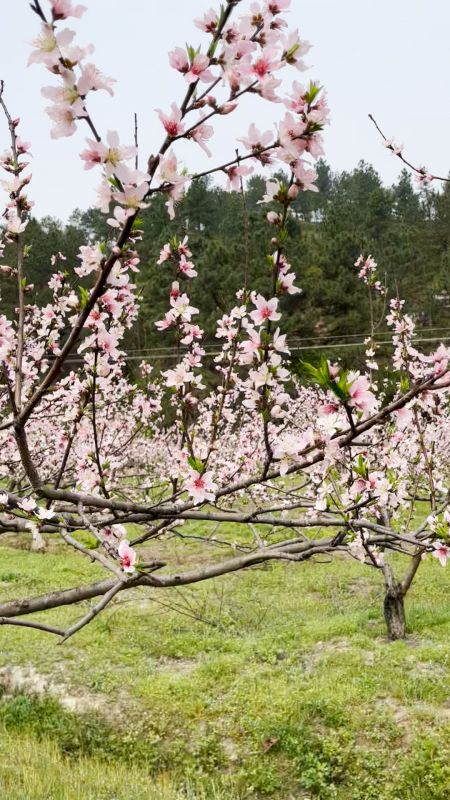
{"points": [[387, 57]]}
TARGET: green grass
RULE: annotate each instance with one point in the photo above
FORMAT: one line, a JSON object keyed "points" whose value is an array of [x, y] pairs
{"points": [[277, 682]]}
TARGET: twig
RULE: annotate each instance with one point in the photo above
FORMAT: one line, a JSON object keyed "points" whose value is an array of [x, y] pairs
{"points": [[94, 611], [419, 170], [136, 141], [38, 626]]}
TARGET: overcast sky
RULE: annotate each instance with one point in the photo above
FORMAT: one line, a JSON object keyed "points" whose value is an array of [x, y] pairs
{"points": [[388, 57]]}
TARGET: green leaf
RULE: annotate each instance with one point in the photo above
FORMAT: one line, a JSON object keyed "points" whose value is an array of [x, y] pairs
{"points": [[313, 91], [361, 467], [84, 296], [196, 464]]}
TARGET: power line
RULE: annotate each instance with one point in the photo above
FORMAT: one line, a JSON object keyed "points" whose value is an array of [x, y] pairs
{"points": [[155, 355], [295, 340]]}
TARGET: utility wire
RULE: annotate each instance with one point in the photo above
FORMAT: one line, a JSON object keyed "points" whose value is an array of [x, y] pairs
{"points": [[156, 355]]}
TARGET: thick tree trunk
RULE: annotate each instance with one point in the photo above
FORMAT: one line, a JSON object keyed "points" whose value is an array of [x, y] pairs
{"points": [[394, 605]]}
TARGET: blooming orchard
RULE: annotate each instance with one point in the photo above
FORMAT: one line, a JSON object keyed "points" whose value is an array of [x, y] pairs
{"points": [[340, 465]]}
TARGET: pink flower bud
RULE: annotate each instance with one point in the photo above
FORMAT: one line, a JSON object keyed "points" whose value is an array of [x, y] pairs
{"points": [[227, 108], [273, 218]]}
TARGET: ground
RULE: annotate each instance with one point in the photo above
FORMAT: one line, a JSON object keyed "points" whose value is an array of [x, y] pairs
{"points": [[277, 682]]}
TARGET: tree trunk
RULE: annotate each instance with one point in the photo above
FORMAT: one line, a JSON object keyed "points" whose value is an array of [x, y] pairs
{"points": [[394, 605], [394, 614], [38, 543]]}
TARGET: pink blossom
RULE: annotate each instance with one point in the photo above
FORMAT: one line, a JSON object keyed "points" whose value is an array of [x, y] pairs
{"points": [[64, 118], [179, 60], [423, 177], [168, 172], [45, 513], [110, 303], [267, 88], [209, 21], [201, 134], [329, 408], [166, 323], [92, 80], [183, 248], [286, 282], [200, 487], [165, 254], [111, 532], [395, 148], [294, 49], [182, 308], [256, 140], [198, 70], [403, 417], [120, 216], [441, 359], [276, 6], [14, 224], [104, 196], [288, 451], [133, 194], [172, 124], [250, 347], [265, 310], [234, 174], [187, 268], [290, 131], [67, 95], [175, 290], [272, 189], [305, 176], [191, 333], [91, 258], [268, 61], [108, 342], [279, 342], [61, 9], [128, 556], [357, 548], [47, 46], [28, 504], [111, 155], [177, 377], [361, 397], [441, 552]]}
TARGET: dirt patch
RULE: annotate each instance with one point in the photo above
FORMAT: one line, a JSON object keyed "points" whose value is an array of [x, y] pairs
{"points": [[176, 666], [27, 680], [406, 716], [424, 669], [324, 649]]}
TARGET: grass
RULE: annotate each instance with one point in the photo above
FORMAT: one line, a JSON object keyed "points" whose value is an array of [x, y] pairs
{"points": [[274, 683]]}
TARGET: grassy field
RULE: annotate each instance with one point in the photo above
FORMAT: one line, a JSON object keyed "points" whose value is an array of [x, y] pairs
{"points": [[277, 683]]}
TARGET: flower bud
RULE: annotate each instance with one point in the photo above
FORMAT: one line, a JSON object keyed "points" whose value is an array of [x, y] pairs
{"points": [[227, 108], [273, 218]]}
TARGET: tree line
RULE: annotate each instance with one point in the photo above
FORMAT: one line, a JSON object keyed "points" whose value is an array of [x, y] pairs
{"points": [[408, 233]]}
